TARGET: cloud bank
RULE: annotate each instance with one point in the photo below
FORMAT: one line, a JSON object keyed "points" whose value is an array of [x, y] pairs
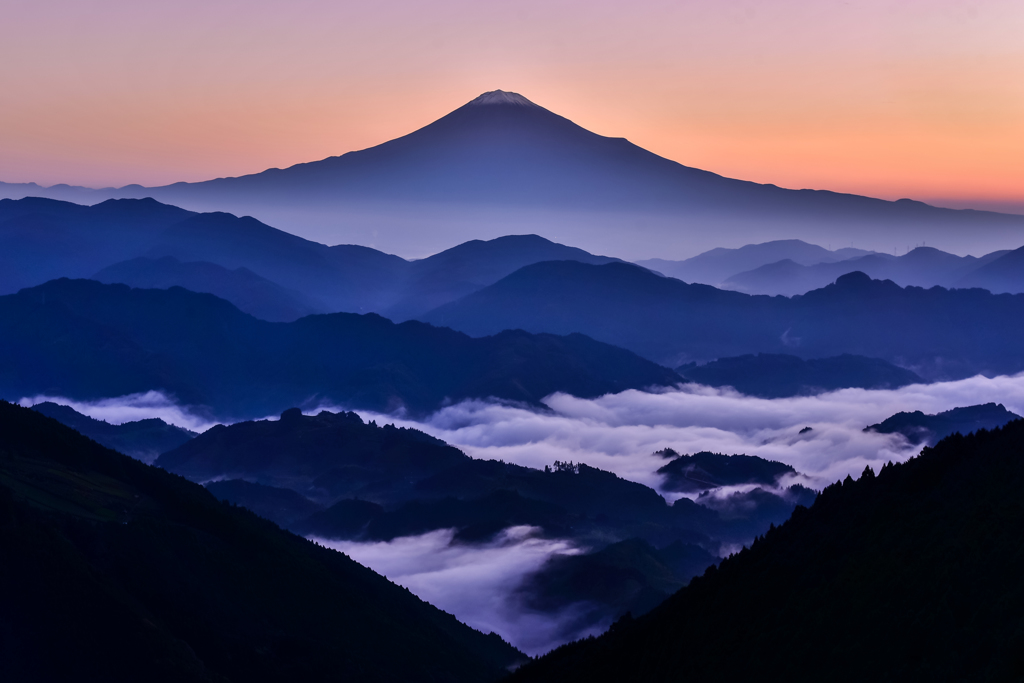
{"points": [[130, 408], [620, 432], [476, 583]]}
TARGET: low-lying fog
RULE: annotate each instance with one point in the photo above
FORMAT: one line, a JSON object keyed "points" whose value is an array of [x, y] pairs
{"points": [[619, 433]]}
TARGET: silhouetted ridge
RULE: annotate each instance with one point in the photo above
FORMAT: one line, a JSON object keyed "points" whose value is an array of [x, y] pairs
{"points": [[85, 340], [117, 571], [912, 574], [141, 439], [929, 429], [938, 333], [780, 375]]}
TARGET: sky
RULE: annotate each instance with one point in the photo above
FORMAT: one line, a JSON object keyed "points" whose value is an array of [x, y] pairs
{"points": [[889, 98]]}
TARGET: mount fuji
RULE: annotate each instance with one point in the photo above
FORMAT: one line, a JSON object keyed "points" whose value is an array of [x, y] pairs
{"points": [[501, 164]]}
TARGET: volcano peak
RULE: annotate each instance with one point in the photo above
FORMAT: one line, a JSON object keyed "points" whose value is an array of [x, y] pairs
{"points": [[502, 97]]}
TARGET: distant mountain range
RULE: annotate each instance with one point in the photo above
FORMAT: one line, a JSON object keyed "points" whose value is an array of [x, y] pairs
{"points": [[792, 267], [911, 573], [938, 333], [930, 429], [771, 375], [131, 573], [719, 264], [264, 271], [85, 340], [500, 163]]}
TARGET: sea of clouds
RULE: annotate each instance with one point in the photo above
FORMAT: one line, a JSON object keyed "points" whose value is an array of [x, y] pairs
{"points": [[620, 433]]}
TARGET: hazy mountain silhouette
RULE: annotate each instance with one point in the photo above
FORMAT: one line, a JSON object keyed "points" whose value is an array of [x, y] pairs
{"points": [[245, 289], [705, 471], [717, 265], [912, 574], [921, 267], [267, 272], [142, 439], [325, 457], [501, 162], [469, 267], [771, 375], [998, 275], [85, 340], [115, 570], [937, 333], [930, 429], [45, 239]]}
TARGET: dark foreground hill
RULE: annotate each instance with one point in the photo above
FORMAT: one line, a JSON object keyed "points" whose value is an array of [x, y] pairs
{"points": [[117, 571], [938, 333], [85, 340], [913, 574]]}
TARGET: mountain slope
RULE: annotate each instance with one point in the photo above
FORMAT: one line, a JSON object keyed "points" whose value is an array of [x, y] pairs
{"points": [[251, 293], [1005, 274], [929, 429], [471, 266], [500, 162], [85, 340], [147, 244], [779, 375], [921, 267], [45, 239], [143, 439], [937, 333], [908, 575], [135, 574], [717, 265]]}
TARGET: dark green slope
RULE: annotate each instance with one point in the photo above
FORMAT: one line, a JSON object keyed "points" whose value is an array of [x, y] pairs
{"points": [[113, 570], [913, 574]]}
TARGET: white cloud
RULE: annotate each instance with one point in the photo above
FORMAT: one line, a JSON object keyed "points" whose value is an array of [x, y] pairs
{"points": [[130, 408], [620, 432], [476, 583]]}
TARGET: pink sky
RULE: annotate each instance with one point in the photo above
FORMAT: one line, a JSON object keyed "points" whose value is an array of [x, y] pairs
{"points": [[914, 98]]}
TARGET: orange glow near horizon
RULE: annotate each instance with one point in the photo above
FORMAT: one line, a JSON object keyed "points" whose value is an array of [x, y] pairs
{"points": [[885, 98]]}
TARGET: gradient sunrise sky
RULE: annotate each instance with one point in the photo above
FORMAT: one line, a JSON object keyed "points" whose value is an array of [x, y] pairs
{"points": [[910, 98]]}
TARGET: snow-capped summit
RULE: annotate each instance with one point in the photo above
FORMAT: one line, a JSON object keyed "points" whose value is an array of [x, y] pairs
{"points": [[502, 97]]}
